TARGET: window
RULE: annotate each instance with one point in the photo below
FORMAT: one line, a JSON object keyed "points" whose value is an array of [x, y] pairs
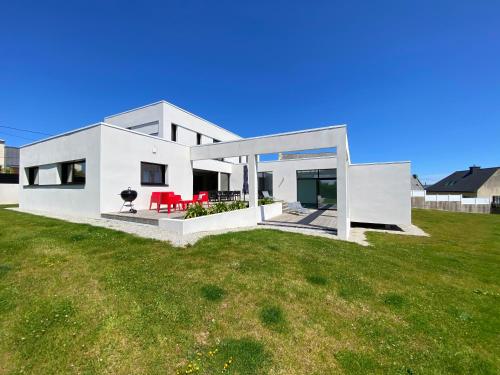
{"points": [[265, 183], [153, 174], [73, 173], [32, 174], [173, 133], [216, 140], [317, 188], [311, 173], [198, 138], [150, 128], [327, 173], [224, 181]]}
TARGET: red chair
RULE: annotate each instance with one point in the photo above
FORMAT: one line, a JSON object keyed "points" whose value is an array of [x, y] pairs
{"points": [[155, 198], [203, 197], [171, 200]]}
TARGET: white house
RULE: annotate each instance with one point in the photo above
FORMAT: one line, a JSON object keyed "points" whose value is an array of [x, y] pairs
{"points": [[161, 146]]}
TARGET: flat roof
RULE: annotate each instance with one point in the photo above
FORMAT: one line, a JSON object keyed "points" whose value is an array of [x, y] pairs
{"points": [[100, 124]]}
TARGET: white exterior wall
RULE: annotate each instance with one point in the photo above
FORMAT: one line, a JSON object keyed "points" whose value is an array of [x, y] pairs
{"points": [[175, 115], [213, 165], [167, 114], [121, 156], [144, 115], [49, 195], [380, 193], [9, 193], [236, 180], [285, 174], [185, 136]]}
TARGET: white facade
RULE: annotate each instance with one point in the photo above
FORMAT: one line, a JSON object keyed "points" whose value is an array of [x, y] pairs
{"points": [[113, 152]]}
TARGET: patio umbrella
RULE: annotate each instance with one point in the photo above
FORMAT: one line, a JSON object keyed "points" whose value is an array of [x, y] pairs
{"points": [[245, 181]]}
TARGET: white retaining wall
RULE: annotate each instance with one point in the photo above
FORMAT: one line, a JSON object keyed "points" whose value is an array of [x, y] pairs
{"points": [[9, 193], [246, 217]]}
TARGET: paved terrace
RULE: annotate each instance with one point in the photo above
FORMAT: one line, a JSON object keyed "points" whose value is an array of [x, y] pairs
{"points": [[319, 220], [149, 217]]}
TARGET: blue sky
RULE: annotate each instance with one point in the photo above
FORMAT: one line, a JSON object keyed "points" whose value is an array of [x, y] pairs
{"points": [[413, 80]]}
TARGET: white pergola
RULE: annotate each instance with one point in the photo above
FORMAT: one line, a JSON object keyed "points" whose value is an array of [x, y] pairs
{"points": [[327, 137]]}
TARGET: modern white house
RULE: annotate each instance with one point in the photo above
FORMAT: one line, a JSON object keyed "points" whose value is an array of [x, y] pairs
{"points": [[161, 146]]}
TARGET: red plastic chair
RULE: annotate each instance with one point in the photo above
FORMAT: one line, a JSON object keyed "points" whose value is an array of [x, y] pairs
{"points": [[155, 198], [170, 199], [203, 197]]}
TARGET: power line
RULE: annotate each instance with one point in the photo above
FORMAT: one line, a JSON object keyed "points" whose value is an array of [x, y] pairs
{"points": [[25, 130], [16, 136]]}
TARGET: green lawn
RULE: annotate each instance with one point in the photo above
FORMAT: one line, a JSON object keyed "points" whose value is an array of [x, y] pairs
{"points": [[84, 300]]}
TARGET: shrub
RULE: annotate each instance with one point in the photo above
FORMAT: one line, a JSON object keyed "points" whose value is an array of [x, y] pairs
{"points": [[264, 201], [195, 210], [237, 205], [217, 208]]}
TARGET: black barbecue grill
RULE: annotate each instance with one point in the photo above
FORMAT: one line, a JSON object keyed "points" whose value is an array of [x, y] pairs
{"points": [[128, 197]]}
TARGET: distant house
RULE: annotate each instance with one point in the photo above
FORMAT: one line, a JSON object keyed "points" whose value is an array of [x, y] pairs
{"points": [[476, 182], [9, 157], [415, 183]]}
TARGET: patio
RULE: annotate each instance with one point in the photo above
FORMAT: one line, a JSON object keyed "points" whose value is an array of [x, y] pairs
{"points": [[150, 217], [321, 220]]}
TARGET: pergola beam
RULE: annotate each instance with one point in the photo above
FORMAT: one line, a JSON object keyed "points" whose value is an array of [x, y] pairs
{"points": [[269, 144], [334, 136]]}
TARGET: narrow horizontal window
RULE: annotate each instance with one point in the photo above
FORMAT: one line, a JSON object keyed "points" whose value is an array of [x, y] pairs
{"points": [[73, 173], [153, 174]]}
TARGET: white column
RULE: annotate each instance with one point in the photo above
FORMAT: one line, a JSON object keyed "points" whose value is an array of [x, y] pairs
{"points": [[252, 181], [343, 213]]}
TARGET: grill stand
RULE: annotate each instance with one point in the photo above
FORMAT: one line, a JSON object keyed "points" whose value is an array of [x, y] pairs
{"points": [[130, 206]]}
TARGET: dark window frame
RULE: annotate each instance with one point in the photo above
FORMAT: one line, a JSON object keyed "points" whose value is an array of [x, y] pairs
{"points": [[317, 178], [198, 138], [164, 169], [65, 174], [261, 182]]}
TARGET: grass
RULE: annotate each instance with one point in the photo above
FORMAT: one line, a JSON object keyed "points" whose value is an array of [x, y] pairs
{"points": [[79, 299], [212, 292]]}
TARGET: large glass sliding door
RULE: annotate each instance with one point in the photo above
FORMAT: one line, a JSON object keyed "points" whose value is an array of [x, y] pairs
{"points": [[307, 192], [327, 194], [317, 188]]}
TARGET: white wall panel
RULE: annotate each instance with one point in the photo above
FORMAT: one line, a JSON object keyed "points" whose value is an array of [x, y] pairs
{"points": [[380, 193]]}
